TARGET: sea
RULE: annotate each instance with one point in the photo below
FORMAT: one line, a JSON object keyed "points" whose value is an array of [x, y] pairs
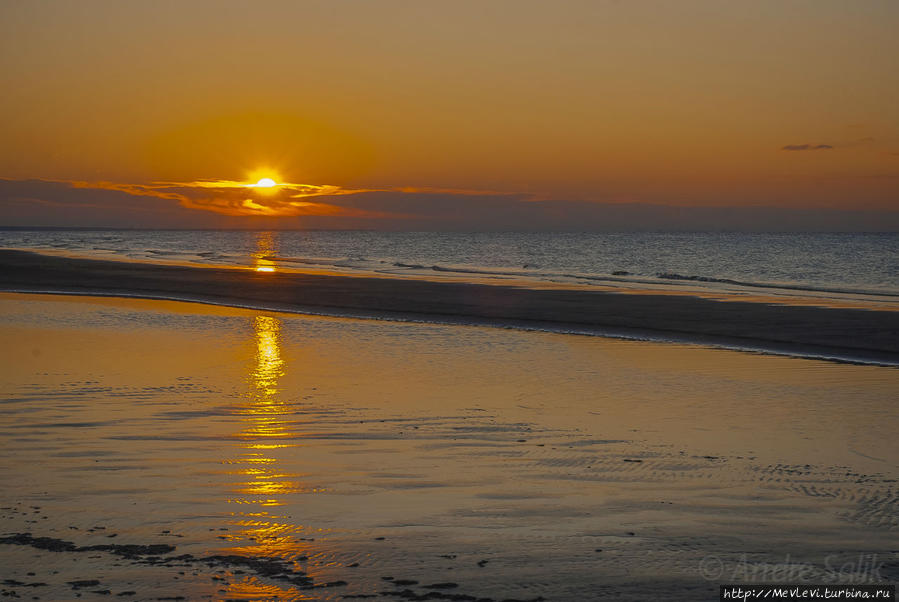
{"points": [[815, 264]]}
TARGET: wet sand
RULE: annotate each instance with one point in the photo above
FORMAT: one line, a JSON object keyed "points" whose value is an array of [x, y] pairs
{"points": [[841, 332], [158, 449]]}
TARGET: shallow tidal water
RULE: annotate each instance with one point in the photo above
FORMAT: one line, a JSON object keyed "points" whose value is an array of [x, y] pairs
{"points": [[399, 460]]}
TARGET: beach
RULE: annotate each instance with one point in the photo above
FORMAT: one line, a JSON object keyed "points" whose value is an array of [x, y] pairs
{"points": [[156, 449], [449, 301], [863, 331]]}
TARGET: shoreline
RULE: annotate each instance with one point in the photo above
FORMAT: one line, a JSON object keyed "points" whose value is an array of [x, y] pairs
{"points": [[663, 283], [863, 335]]}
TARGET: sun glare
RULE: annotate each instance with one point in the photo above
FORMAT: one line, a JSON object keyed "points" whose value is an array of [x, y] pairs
{"points": [[265, 183]]}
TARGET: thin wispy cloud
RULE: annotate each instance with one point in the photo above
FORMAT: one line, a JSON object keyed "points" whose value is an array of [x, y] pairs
{"points": [[233, 198], [240, 199], [806, 147]]}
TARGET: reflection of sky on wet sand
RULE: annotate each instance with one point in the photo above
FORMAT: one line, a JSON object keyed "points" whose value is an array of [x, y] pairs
{"points": [[395, 445]]}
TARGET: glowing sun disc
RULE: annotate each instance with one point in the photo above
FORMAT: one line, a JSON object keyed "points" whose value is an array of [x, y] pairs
{"points": [[266, 183]]}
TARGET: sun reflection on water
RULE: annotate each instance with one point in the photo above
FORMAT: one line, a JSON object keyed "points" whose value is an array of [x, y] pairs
{"points": [[265, 250], [258, 529], [266, 424], [269, 365]]}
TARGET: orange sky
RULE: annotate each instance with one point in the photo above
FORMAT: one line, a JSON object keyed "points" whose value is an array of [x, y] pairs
{"points": [[696, 103]]}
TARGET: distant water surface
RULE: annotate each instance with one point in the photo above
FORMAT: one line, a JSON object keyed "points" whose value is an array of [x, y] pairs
{"points": [[854, 263]]}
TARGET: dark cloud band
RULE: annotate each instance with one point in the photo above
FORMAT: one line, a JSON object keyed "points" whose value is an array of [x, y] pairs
{"points": [[61, 203]]}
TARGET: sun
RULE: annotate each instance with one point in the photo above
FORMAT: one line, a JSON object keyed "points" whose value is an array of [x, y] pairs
{"points": [[263, 179]]}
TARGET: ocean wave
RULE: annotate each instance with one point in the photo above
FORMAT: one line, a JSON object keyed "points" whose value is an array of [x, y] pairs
{"points": [[321, 261], [465, 270], [616, 276], [414, 266], [772, 285], [440, 268]]}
